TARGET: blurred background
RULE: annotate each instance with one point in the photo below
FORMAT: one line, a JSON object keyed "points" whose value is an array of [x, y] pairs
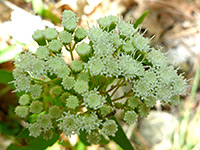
{"points": [[172, 24]]}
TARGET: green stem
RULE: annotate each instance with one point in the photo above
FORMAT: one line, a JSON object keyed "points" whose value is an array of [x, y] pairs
{"points": [[117, 86], [130, 93]]}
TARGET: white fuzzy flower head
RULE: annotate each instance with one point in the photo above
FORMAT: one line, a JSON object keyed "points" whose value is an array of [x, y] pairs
{"points": [[126, 30], [140, 42], [93, 100], [129, 67], [95, 65], [69, 124]]}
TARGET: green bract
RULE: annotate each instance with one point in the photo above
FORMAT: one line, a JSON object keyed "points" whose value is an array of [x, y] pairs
{"points": [[79, 95]]}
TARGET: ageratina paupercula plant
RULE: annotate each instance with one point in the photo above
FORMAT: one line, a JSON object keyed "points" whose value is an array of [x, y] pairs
{"points": [[77, 98]]}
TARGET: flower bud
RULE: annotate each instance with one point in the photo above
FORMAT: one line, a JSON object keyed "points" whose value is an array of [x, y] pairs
{"points": [[57, 90], [50, 34], [54, 112], [38, 37], [24, 99], [130, 117], [84, 51], [109, 128], [42, 52], [94, 137], [80, 34], [72, 102], [81, 86], [55, 46], [22, 111], [65, 37], [36, 107], [76, 65]]}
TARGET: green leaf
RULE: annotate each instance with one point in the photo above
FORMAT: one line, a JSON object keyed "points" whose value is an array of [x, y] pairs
{"points": [[8, 53], [140, 19], [80, 146], [6, 77], [120, 137], [38, 143], [83, 139]]}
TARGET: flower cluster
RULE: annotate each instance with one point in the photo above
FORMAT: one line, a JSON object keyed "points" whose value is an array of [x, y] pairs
{"points": [[79, 96]]}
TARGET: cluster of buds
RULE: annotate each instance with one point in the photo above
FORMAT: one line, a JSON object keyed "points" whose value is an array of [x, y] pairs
{"points": [[75, 97]]}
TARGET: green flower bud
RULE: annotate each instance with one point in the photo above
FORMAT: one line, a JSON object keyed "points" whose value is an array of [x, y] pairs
{"points": [[54, 112], [47, 135], [81, 86], [109, 128], [24, 99], [83, 76], [72, 102], [84, 51], [130, 117], [42, 52], [68, 82], [57, 90], [105, 110], [80, 34], [22, 111], [64, 97], [90, 122], [94, 137], [54, 63], [108, 23], [34, 129], [38, 37], [68, 14], [50, 34], [65, 37], [76, 65], [132, 102], [55, 46], [143, 110], [35, 90], [150, 101], [69, 24], [62, 71], [45, 122], [38, 67], [36, 107]]}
